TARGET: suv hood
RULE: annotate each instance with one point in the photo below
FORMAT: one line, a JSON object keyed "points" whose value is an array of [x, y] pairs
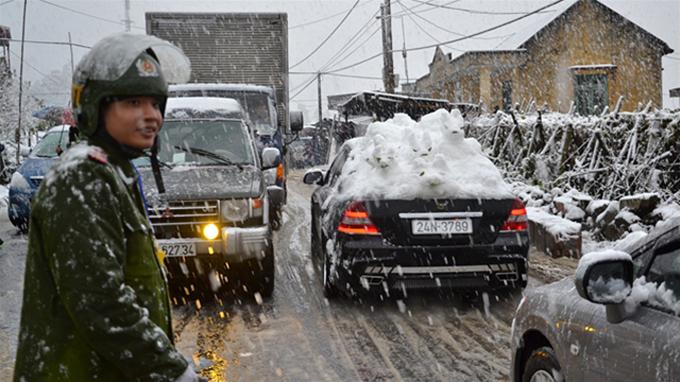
{"points": [[205, 182]]}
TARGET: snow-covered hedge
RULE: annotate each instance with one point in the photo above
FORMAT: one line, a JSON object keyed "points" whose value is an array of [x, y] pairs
{"points": [[607, 156]]}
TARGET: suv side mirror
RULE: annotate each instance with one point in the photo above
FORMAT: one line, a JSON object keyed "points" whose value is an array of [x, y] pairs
{"points": [[296, 121], [313, 176], [606, 278], [270, 157]]}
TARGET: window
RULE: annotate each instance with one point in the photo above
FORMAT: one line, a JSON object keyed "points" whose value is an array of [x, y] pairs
{"points": [[507, 95], [591, 92], [665, 268]]}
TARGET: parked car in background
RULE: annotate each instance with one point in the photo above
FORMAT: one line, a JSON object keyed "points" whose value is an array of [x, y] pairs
{"points": [[213, 216], [378, 226], [27, 178], [620, 322]]}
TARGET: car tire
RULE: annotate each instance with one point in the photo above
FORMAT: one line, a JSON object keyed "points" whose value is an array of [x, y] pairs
{"points": [[329, 290], [263, 273], [315, 246], [275, 217], [542, 366]]}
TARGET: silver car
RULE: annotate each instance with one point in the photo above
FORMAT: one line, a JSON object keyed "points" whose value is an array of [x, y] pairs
{"points": [[617, 319]]}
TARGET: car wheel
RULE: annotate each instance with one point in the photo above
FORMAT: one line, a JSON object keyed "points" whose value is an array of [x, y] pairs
{"points": [[264, 271], [315, 246], [275, 219], [542, 366], [329, 290]]}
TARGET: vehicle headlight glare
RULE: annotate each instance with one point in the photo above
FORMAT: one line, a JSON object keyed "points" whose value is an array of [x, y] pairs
{"points": [[210, 231], [235, 210]]}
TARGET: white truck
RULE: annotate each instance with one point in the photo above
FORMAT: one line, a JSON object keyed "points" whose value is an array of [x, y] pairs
{"points": [[243, 56]]}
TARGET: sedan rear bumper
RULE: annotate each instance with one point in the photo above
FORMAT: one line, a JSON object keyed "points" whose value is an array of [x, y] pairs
{"points": [[374, 264]]}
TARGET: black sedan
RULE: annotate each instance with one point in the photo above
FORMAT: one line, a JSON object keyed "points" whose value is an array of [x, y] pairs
{"points": [[391, 246]]}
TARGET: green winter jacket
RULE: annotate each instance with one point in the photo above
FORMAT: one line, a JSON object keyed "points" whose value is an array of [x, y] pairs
{"points": [[95, 304]]}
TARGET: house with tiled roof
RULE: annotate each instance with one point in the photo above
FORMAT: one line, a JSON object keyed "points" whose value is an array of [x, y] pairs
{"points": [[587, 55]]}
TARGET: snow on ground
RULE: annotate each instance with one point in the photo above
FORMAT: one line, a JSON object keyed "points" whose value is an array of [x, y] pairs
{"points": [[404, 159], [4, 197]]}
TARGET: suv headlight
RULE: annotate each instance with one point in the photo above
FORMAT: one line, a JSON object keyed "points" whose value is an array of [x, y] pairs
{"points": [[235, 210], [238, 210]]}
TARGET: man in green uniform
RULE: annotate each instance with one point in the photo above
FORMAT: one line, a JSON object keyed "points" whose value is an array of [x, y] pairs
{"points": [[95, 302]]}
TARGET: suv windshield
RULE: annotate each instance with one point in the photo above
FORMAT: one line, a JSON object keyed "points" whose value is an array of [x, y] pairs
{"points": [[204, 142], [47, 147], [258, 106]]}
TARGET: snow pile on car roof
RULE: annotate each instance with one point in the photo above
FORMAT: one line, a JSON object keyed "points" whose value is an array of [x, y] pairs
{"points": [[404, 159]]}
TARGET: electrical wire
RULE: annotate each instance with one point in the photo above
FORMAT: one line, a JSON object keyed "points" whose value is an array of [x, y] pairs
{"points": [[34, 68], [319, 20], [402, 13], [6, 2], [87, 14], [473, 11], [448, 30], [454, 40], [327, 37], [47, 42], [423, 30]]}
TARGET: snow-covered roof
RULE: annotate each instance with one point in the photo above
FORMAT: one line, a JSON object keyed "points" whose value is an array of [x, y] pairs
{"points": [[219, 105], [536, 23], [225, 87]]}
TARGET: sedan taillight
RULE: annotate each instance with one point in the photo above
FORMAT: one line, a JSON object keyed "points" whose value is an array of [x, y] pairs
{"points": [[517, 219], [355, 221]]}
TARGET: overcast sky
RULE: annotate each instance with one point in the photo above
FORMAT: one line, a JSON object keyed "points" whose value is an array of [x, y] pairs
{"points": [[54, 19]]}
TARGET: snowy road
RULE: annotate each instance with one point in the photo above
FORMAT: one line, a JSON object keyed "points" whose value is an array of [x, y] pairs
{"points": [[297, 335]]}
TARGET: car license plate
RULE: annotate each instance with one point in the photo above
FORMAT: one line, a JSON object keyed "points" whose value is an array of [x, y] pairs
{"points": [[178, 249], [441, 227]]}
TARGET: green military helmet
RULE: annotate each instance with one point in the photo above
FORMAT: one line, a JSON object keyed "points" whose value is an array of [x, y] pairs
{"points": [[124, 65]]}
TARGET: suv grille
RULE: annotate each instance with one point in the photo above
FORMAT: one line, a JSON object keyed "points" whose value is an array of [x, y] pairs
{"points": [[184, 219]]}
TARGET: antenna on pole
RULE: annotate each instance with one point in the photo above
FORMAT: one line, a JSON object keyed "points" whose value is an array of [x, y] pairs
{"points": [[127, 21], [403, 51], [17, 133]]}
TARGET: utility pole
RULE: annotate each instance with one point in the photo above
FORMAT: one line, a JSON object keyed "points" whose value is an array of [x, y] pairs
{"points": [[127, 21], [17, 134], [388, 64], [318, 84]]}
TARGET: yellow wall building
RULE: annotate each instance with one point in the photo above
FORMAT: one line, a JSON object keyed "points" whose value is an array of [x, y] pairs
{"points": [[588, 55]]}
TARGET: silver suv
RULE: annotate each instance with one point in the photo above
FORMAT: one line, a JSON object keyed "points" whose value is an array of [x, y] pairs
{"points": [[616, 320], [213, 217]]}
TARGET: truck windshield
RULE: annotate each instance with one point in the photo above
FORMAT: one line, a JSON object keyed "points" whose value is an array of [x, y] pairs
{"points": [[47, 147], [258, 105], [207, 142]]}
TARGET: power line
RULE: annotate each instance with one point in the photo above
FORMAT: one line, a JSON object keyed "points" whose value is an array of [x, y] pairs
{"points": [[473, 11], [448, 30], [327, 37], [303, 88], [6, 2], [422, 29], [337, 75], [47, 42], [432, 8], [454, 40], [348, 55], [86, 14], [319, 20], [34, 68]]}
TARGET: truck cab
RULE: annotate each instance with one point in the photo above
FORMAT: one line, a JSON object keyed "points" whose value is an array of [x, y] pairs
{"points": [[269, 127], [214, 213]]}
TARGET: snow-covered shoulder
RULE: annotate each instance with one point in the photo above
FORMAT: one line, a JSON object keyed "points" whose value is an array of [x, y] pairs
{"points": [[404, 159], [70, 159]]}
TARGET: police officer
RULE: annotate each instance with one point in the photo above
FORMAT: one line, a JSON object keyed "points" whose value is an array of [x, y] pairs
{"points": [[96, 304]]}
